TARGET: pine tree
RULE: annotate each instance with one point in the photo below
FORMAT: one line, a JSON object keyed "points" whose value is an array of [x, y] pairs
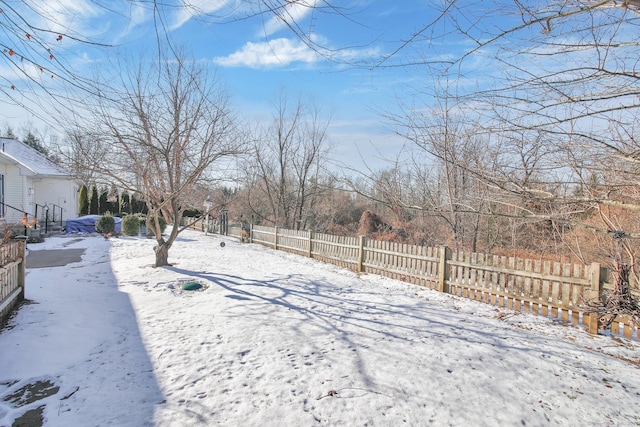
{"points": [[83, 201], [94, 206], [8, 133], [35, 143], [103, 203]]}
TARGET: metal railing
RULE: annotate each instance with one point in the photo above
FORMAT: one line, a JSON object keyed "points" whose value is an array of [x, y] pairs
{"points": [[55, 208], [48, 215], [44, 211], [25, 215]]}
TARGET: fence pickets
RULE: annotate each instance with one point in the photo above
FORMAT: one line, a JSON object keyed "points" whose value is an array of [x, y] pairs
{"points": [[555, 290], [12, 274], [551, 289]]}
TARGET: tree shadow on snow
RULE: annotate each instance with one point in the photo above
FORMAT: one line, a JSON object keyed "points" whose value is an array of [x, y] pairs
{"points": [[359, 318]]}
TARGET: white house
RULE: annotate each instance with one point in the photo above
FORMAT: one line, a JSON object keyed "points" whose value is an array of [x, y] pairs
{"points": [[31, 183]]}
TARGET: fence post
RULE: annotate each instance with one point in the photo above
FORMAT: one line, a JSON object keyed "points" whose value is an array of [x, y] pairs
{"points": [[594, 295], [360, 253], [443, 270], [250, 233], [594, 291], [275, 243], [592, 322], [310, 244], [21, 268]]}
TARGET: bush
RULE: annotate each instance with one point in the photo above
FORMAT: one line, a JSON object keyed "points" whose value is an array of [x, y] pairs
{"points": [[192, 213], [131, 225], [151, 228], [106, 225]]}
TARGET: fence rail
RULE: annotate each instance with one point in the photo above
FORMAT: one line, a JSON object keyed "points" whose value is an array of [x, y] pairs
{"points": [[551, 289], [12, 274]]}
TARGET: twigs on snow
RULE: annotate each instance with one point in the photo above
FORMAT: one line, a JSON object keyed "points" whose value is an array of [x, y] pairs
{"points": [[335, 393]]}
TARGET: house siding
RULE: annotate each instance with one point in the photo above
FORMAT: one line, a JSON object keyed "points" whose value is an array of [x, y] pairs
{"points": [[3, 172], [33, 181], [14, 189], [59, 192]]}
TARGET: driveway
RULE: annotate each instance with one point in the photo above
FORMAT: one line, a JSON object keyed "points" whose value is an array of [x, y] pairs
{"points": [[54, 257]]}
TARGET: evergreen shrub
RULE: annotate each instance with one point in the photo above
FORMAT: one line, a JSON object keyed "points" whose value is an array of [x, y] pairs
{"points": [[131, 225], [106, 224]]}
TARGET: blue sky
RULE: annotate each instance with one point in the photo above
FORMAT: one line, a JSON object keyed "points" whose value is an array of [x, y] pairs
{"points": [[258, 57]]}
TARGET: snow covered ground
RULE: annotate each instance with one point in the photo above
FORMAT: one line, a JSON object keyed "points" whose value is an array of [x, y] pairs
{"points": [[280, 340]]}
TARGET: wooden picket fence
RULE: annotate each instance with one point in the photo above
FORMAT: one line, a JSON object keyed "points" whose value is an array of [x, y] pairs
{"points": [[551, 289], [12, 275]]}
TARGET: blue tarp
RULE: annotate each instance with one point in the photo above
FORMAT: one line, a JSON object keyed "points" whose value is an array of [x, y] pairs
{"points": [[87, 224]]}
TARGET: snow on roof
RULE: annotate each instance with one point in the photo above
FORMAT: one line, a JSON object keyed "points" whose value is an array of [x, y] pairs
{"points": [[30, 158]]}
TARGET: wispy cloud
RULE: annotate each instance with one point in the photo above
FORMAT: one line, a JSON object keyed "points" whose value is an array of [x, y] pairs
{"points": [[293, 13], [65, 16], [277, 52], [189, 10], [135, 18]]}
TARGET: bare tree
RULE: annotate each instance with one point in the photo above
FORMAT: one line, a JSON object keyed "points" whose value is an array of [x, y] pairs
{"points": [[286, 167], [160, 134], [557, 93], [34, 50], [78, 153]]}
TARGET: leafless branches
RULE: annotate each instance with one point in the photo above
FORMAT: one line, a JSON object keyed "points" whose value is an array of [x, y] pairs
{"points": [[285, 169], [159, 134]]}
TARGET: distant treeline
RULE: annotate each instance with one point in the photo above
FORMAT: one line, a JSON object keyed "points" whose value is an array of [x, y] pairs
{"points": [[98, 201]]}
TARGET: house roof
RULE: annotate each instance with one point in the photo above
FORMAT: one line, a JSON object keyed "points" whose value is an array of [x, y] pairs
{"points": [[30, 159]]}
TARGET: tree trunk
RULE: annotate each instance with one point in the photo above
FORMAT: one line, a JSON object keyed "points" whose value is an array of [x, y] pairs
{"points": [[162, 254]]}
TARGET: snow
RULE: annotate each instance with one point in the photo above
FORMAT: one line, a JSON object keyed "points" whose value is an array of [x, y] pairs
{"points": [[280, 339], [30, 158]]}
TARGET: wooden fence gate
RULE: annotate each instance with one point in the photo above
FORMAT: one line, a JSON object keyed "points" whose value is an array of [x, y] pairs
{"points": [[12, 274]]}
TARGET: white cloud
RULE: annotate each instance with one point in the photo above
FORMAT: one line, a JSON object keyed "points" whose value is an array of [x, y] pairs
{"points": [[64, 16], [189, 10], [138, 15], [278, 52], [283, 51], [293, 13]]}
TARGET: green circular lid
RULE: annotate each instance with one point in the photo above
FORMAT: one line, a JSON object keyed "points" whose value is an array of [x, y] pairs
{"points": [[191, 286]]}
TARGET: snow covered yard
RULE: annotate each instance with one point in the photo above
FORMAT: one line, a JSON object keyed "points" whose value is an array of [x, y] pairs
{"points": [[278, 339]]}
